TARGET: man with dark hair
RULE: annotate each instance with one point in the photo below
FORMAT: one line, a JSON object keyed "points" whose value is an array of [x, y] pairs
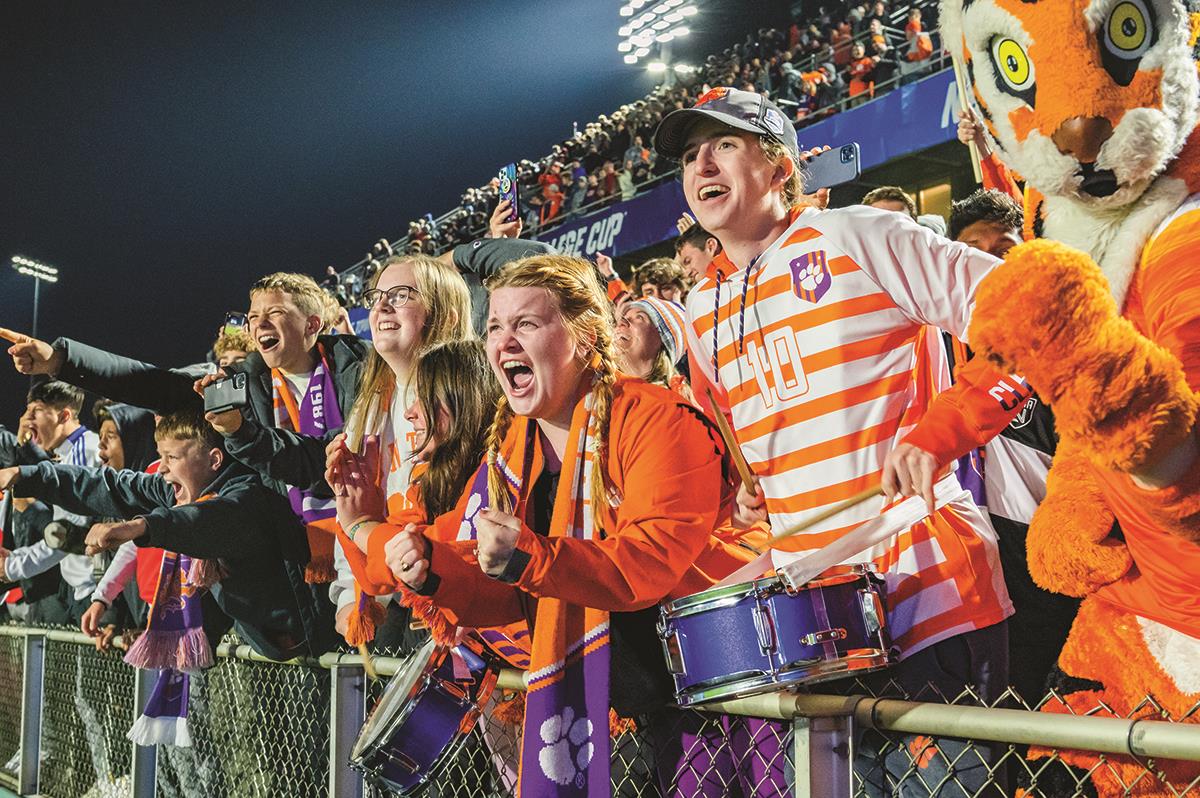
{"points": [[1016, 464], [662, 278], [51, 421], [694, 250], [989, 220], [891, 198]]}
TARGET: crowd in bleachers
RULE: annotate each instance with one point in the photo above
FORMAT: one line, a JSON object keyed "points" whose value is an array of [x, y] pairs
{"points": [[846, 54]]}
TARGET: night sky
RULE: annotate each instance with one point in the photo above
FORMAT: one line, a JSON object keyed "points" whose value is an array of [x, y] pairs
{"points": [[163, 155]]}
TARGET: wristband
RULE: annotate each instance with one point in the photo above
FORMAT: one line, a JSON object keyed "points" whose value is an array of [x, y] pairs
{"points": [[354, 527]]}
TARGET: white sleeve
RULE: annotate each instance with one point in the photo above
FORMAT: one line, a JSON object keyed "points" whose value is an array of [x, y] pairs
{"points": [[118, 573], [29, 561], [930, 278], [341, 589]]}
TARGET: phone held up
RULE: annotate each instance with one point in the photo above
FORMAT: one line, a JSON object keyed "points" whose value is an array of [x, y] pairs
{"points": [[228, 394], [832, 168], [234, 321], [508, 190]]}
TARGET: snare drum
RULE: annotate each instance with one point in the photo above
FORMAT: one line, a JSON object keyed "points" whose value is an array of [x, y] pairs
{"points": [[424, 716], [756, 637]]}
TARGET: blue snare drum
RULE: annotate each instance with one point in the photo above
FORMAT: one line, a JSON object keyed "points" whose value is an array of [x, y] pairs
{"points": [[760, 636], [423, 717]]}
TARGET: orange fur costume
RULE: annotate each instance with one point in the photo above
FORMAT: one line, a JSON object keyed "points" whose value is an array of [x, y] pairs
{"points": [[1095, 104]]}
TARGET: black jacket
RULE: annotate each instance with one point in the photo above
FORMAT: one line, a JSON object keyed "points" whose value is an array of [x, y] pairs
{"points": [[479, 260], [248, 526], [14, 454], [284, 458], [25, 528]]}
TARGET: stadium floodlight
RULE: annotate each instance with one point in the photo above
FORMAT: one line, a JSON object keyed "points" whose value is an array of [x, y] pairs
{"points": [[688, 11], [674, 16], [682, 30], [643, 39], [656, 66], [631, 59], [624, 30], [624, 47], [35, 268], [662, 24], [684, 69], [626, 11], [663, 38], [39, 272], [638, 3], [661, 8], [642, 52]]}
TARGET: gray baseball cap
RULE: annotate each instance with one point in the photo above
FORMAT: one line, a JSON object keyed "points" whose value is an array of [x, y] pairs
{"points": [[742, 110]]}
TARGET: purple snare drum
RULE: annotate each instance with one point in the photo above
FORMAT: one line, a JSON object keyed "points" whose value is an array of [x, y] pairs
{"points": [[424, 715], [756, 637]]}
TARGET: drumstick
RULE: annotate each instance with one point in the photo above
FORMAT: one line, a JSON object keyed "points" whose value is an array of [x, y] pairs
{"points": [[960, 78], [857, 499], [735, 452], [368, 665]]}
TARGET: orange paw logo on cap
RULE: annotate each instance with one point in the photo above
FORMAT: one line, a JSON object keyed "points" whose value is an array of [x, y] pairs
{"points": [[710, 95]]}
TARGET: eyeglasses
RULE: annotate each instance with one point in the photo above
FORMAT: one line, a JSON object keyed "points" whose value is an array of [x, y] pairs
{"points": [[397, 296]]}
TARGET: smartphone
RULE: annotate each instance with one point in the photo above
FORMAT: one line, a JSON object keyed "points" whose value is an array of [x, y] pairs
{"points": [[234, 321], [508, 190], [833, 167], [228, 394]]}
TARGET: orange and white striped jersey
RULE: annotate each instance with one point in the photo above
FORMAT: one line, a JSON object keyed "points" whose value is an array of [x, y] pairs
{"points": [[823, 367]]}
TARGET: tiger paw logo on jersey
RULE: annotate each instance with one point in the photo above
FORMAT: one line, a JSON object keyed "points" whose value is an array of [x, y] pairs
{"points": [[810, 276]]}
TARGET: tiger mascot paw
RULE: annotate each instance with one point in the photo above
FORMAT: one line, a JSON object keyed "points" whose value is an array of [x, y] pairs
{"points": [[1118, 395]]}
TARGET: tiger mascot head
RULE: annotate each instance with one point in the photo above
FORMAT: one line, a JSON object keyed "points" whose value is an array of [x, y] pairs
{"points": [[1087, 99]]}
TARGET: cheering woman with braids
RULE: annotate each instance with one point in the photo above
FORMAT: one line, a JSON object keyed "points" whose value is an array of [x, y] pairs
{"points": [[595, 502]]}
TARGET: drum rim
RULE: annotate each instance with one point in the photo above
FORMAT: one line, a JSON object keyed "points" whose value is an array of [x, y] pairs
{"points": [[792, 677], [729, 595], [430, 649], [447, 754]]}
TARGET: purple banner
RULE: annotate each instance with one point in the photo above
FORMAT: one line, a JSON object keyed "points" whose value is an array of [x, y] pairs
{"points": [[622, 228]]}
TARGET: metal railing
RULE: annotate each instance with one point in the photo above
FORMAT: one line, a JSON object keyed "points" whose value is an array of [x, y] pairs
{"points": [[263, 728]]}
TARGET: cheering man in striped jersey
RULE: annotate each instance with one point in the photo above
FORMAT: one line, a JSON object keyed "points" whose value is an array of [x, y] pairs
{"points": [[809, 325]]}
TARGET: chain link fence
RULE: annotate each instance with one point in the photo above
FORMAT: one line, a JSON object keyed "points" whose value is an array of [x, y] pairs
{"points": [[264, 729], [88, 705], [12, 661], [919, 765], [258, 730]]}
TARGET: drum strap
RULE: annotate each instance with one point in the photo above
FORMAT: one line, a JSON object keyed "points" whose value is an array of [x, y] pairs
{"points": [[894, 521]]}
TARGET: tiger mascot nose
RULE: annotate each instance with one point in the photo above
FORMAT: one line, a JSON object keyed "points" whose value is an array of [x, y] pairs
{"points": [[1081, 137]]}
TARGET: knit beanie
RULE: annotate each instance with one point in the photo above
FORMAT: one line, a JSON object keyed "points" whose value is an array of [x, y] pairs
{"points": [[669, 319]]}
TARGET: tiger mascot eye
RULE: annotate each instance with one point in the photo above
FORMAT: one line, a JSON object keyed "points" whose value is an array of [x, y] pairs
{"points": [[1095, 105]]}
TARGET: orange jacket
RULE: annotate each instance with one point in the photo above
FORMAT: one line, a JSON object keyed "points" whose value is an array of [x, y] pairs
{"points": [[667, 462]]}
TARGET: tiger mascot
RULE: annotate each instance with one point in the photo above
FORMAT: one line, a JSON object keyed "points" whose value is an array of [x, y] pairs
{"points": [[1095, 105]]}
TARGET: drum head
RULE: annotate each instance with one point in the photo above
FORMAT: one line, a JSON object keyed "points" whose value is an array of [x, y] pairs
{"points": [[395, 698]]}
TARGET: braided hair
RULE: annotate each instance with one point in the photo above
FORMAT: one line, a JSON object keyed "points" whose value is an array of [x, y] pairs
{"points": [[585, 310]]}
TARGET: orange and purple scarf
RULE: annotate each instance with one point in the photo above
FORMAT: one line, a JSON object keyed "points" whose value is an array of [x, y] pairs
{"points": [[566, 745], [316, 414]]}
